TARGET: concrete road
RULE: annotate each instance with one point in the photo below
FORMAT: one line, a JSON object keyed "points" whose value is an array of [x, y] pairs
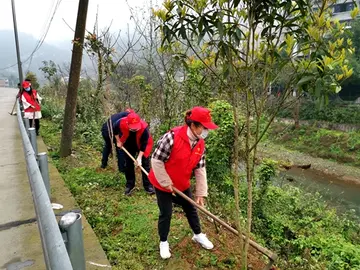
{"points": [[20, 245]]}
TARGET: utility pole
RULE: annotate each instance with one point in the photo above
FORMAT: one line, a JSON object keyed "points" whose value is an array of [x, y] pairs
{"points": [[74, 79], [17, 43]]}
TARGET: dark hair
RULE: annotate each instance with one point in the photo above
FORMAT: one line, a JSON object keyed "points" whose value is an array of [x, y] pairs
{"points": [[28, 80], [189, 121]]}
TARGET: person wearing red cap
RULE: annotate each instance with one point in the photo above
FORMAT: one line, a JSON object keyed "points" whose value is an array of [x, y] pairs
{"points": [[178, 154], [133, 134], [31, 104], [108, 131]]}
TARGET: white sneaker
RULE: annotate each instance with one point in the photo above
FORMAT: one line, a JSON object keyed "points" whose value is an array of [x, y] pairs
{"points": [[164, 250], [203, 241]]}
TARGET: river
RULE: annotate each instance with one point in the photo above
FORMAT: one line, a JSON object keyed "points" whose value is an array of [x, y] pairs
{"points": [[342, 195]]}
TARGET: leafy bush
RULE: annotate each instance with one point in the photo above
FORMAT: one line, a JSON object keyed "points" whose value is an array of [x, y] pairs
{"points": [[335, 112], [306, 232], [52, 109], [219, 147], [90, 133]]}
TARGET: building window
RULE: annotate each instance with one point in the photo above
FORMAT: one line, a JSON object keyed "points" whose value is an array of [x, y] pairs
{"points": [[349, 6], [338, 8]]}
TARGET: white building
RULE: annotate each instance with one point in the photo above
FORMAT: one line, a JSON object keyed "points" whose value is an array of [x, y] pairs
{"points": [[341, 10]]}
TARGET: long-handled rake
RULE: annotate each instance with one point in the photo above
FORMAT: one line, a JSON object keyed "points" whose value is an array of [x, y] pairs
{"points": [[111, 135], [12, 111], [272, 256]]}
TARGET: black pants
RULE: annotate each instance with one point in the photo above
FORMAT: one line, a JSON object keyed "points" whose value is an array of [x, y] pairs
{"points": [[165, 202], [108, 144], [37, 125], [130, 169]]}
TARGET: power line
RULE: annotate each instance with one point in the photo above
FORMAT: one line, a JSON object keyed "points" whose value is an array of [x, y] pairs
{"points": [[40, 42], [42, 39], [46, 23], [13, 65]]}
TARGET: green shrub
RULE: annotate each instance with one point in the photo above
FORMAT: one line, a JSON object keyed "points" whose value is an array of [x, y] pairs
{"points": [[52, 109], [334, 112], [219, 147], [304, 231]]}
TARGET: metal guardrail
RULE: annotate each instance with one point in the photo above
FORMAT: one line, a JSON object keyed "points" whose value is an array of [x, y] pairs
{"points": [[55, 253]]}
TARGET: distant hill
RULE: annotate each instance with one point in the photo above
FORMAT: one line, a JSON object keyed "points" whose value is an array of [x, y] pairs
{"points": [[27, 45], [59, 53]]}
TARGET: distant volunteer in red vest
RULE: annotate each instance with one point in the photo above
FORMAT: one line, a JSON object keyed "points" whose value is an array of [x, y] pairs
{"points": [[31, 104], [178, 154], [134, 135]]}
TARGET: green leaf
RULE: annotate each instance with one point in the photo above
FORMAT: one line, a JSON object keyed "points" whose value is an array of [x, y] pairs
{"points": [[220, 28], [338, 89], [318, 87], [305, 80], [201, 24], [236, 3], [239, 33], [182, 32], [226, 72], [201, 36]]}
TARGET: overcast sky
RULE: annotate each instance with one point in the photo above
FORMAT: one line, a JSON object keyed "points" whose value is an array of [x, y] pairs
{"points": [[34, 15]]}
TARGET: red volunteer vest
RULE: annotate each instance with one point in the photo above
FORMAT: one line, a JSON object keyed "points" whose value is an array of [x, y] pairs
{"points": [[182, 160], [125, 134], [32, 100]]}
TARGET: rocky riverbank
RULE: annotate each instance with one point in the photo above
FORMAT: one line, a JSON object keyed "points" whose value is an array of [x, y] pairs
{"points": [[334, 170]]}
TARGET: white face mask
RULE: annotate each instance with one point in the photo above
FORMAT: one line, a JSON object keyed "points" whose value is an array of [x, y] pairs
{"points": [[204, 133], [27, 89]]}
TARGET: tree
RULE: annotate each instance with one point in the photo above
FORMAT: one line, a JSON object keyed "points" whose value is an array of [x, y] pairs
{"points": [[71, 98], [107, 54], [51, 73], [174, 89], [32, 77], [255, 42], [49, 69]]}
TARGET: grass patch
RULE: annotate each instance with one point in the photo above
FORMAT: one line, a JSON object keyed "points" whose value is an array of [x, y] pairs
{"points": [[127, 226], [343, 147]]}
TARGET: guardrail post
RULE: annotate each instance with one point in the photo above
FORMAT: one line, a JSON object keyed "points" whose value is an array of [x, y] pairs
{"points": [[54, 250], [44, 169], [27, 125], [71, 228], [33, 140]]}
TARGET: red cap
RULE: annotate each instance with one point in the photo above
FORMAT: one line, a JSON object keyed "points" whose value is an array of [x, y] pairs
{"points": [[26, 84], [203, 116], [133, 121]]}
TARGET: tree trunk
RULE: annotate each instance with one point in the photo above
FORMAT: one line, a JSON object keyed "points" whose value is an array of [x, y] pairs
{"points": [[236, 178], [74, 79], [100, 74]]}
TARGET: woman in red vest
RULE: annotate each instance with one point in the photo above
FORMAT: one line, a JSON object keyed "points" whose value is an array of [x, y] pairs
{"points": [[31, 104], [178, 154], [133, 133]]}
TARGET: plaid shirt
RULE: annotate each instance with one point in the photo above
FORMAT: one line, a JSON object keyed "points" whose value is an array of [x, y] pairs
{"points": [[165, 145]]}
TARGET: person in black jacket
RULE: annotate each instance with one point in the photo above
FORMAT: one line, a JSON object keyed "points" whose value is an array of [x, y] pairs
{"points": [[107, 128]]}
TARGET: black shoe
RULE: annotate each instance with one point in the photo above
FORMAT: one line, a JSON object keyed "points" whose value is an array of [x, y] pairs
{"points": [[128, 191], [150, 190]]}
